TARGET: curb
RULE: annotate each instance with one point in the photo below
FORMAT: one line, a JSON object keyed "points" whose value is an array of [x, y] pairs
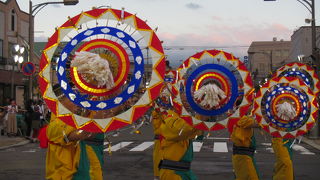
{"points": [[14, 145], [311, 143]]}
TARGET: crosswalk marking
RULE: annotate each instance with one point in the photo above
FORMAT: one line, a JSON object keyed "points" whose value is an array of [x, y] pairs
{"points": [[197, 146], [143, 146], [220, 147], [302, 149], [118, 146]]}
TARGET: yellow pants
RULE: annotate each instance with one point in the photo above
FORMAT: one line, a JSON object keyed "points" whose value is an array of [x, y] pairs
{"points": [[244, 168], [283, 169], [166, 174], [156, 157]]}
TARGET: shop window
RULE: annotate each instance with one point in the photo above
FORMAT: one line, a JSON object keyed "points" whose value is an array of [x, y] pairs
{"points": [[13, 20]]}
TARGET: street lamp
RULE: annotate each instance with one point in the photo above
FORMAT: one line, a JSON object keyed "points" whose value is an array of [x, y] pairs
{"points": [[18, 52], [33, 11]]}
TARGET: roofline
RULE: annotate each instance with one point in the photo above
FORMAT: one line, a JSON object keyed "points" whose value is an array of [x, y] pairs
{"points": [[7, 2]]}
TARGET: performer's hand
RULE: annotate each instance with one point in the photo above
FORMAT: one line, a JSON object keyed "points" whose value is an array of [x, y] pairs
{"points": [[78, 135]]}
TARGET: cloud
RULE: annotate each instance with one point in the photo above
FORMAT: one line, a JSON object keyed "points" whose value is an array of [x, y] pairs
{"points": [[56, 5], [41, 38], [227, 35], [216, 18], [193, 6], [232, 38]]}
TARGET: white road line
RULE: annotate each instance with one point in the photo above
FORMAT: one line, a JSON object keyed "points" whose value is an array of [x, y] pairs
{"points": [[118, 146], [217, 138], [266, 144], [269, 149], [143, 146], [220, 147], [197, 146], [302, 149], [30, 151]]}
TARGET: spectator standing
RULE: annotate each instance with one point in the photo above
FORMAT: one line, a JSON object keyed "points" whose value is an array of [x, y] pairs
{"points": [[12, 110]]}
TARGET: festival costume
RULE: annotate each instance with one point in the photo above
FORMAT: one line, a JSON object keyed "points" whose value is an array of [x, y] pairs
{"points": [[176, 148], [157, 118], [72, 160], [283, 168], [244, 146]]}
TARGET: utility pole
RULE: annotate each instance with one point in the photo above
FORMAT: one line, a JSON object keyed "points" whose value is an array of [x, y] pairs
{"points": [[33, 10], [31, 47]]}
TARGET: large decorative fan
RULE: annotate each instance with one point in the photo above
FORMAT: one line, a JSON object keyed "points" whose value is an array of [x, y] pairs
{"points": [[285, 107], [215, 90], [101, 70], [302, 71]]}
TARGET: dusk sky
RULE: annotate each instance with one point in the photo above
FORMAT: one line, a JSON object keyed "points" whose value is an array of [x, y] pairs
{"points": [[194, 22]]}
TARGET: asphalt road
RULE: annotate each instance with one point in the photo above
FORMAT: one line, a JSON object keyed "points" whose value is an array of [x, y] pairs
{"points": [[132, 159]]}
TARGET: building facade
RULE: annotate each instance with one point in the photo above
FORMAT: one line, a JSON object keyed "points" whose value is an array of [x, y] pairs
{"points": [[301, 43], [14, 29], [266, 56]]}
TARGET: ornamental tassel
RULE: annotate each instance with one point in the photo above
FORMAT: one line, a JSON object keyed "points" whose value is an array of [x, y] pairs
{"points": [[286, 111], [93, 68], [209, 95]]}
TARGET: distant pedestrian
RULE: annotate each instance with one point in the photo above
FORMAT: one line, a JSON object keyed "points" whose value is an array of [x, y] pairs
{"points": [[12, 110], [35, 121], [41, 112], [29, 116]]}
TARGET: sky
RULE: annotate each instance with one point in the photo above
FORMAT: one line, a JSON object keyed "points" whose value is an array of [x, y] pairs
{"points": [[214, 23]]}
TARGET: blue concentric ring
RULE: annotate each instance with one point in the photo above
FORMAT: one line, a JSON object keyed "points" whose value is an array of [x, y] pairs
{"points": [[306, 80], [234, 89], [302, 99], [136, 77]]}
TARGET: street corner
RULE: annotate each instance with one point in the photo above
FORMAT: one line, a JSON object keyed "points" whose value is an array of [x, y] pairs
{"points": [[8, 142], [315, 143]]}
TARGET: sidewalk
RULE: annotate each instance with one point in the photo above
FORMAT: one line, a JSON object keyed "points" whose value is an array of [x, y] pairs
{"points": [[8, 142], [312, 142]]}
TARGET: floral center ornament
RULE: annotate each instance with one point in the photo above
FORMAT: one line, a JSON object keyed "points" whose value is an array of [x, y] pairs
{"points": [[95, 67], [209, 95], [286, 111]]}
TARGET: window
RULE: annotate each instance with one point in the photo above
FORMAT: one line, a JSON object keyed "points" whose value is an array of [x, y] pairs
{"points": [[262, 67], [13, 20], [285, 53]]}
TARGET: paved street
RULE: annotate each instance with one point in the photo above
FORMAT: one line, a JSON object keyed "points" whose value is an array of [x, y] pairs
{"points": [[131, 158]]}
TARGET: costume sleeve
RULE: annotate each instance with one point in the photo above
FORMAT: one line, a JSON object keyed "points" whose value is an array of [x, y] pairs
{"points": [[56, 130], [156, 121], [176, 129], [242, 132]]}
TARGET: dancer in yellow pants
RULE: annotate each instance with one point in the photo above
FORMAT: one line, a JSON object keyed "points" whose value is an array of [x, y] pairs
{"points": [[283, 168], [243, 150], [176, 148], [157, 119], [72, 154]]}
